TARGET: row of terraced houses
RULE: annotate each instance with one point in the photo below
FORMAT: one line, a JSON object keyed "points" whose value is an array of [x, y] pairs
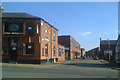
{"points": [[30, 39]]}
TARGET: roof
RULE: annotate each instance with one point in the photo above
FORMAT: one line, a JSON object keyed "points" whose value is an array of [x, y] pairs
{"points": [[19, 15], [22, 16], [68, 37], [105, 42], [65, 36]]}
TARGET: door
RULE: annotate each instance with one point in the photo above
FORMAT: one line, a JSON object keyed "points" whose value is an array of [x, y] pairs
{"points": [[13, 51]]}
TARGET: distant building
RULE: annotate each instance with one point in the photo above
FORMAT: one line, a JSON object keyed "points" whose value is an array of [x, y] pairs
{"points": [[72, 48], [117, 55], [93, 52], [107, 49], [82, 52]]}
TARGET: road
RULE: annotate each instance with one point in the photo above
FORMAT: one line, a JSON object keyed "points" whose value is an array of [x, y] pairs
{"points": [[74, 69]]}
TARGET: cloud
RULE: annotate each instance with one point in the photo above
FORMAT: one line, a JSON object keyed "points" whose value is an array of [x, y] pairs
{"points": [[85, 33], [106, 33]]}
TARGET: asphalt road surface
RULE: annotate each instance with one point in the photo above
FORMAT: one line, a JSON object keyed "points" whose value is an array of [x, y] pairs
{"points": [[73, 69]]}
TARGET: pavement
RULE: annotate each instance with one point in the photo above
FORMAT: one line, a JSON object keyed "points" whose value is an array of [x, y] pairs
{"points": [[78, 68], [111, 64]]}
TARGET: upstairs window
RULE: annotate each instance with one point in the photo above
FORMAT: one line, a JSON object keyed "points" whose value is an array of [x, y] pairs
{"points": [[13, 27], [54, 36], [29, 29], [46, 49], [37, 29], [46, 32]]}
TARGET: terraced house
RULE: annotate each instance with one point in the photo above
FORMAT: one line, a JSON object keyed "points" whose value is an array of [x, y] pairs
{"points": [[27, 38]]}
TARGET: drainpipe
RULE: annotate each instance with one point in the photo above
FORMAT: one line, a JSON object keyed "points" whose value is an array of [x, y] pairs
{"points": [[39, 29], [51, 42]]}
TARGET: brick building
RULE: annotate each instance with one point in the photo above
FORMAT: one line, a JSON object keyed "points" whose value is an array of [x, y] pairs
{"points": [[72, 48], [117, 55], [93, 52], [27, 38], [107, 49], [61, 53]]}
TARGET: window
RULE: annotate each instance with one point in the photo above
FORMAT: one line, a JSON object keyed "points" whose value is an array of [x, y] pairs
{"points": [[29, 48], [46, 32], [4, 51], [21, 51], [30, 29], [54, 51], [42, 51], [46, 49], [13, 27], [59, 54], [37, 29], [62, 51], [54, 36], [42, 24]]}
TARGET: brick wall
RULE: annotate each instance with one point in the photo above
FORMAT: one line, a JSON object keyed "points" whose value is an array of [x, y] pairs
{"points": [[62, 57]]}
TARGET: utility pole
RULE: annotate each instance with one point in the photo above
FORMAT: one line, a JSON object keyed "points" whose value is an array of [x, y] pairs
{"points": [[93, 53], [109, 48]]}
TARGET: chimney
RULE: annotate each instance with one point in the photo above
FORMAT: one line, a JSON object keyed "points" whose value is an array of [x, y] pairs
{"points": [[100, 39]]}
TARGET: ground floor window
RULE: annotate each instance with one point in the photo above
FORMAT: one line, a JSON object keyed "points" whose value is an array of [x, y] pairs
{"points": [[29, 48], [21, 51], [4, 51], [54, 51], [42, 51], [59, 50]]}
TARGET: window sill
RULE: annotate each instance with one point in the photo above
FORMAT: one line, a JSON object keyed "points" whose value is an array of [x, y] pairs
{"points": [[29, 54], [46, 55]]}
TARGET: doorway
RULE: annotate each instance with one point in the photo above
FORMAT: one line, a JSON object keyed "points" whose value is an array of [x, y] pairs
{"points": [[13, 49]]}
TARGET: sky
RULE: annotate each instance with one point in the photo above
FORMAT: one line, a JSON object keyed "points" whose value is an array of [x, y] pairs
{"points": [[86, 22]]}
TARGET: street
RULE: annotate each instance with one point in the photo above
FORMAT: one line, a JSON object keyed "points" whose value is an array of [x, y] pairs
{"points": [[87, 68]]}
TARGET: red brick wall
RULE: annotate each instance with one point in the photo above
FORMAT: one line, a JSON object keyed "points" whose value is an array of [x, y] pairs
{"points": [[67, 42], [49, 41], [74, 50], [62, 57], [105, 48]]}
